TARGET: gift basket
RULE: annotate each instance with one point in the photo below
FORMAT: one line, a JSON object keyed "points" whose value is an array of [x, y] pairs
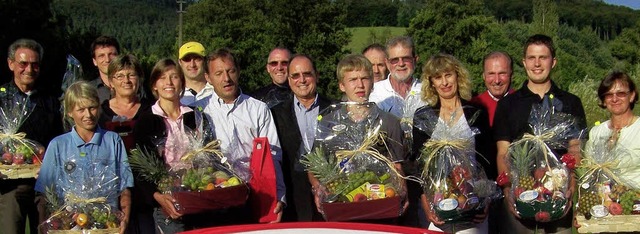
{"points": [[200, 180], [350, 158], [454, 182], [608, 191], [412, 102], [83, 199], [21, 157], [539, 180]]}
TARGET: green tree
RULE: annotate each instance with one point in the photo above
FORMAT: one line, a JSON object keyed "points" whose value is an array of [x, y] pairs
{"points": [[251, 28], [545, 18]]}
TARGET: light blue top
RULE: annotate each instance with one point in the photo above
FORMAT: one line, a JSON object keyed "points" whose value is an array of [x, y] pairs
{"points": [[98, 168]]}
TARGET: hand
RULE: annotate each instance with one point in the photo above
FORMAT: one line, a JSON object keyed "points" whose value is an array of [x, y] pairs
{"points": [[278, 210], [575, 222], [123, 225], [510, 202], [316, 197], [166, 201], [479, 218], [405, 206], [428, 210]]}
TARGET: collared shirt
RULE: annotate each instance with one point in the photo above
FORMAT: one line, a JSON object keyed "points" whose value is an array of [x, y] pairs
{"points": [[389, 100], [177, 140], [489, 102], [103, 91], [307, 120], [237, 124], [191, 96], [86, 168], [512, 114]]}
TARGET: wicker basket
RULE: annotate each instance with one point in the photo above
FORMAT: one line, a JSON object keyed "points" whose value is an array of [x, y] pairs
{"points": [[374, 209], [611, 223], [19, 171], [86, 231]]}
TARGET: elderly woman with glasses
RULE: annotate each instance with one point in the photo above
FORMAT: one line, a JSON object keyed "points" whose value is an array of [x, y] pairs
{"points": [[125, 106]]}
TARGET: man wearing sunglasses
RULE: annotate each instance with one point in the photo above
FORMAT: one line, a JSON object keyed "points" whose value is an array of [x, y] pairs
{"points": [[278, 91], [191, 59], [16, 194], [391, 94]]}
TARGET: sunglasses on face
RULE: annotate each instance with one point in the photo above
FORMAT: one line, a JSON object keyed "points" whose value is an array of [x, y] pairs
{"points": [[406, 59], [619, 94], [275, 63], [25, 64]]}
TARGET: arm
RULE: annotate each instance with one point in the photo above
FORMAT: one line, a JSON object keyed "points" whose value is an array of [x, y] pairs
{"points": [[125, 206], [501, 161]]}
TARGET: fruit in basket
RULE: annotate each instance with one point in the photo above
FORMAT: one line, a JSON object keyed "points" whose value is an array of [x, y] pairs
{"points": [[521, 163], [81, 219], [18, 159], [615, 208], [7, 158], [627, 201], [539, 173], [586, 201], [221, 175], [360, 197], [389, 192], [233, 181], [543, 216]]}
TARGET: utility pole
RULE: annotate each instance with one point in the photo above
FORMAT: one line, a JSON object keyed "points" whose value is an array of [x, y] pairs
{"points": [[180, 11]]}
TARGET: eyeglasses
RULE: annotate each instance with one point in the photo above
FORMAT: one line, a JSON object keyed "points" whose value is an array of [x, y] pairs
{"points": [[406, 59], [275, 63], [305, 75], [24, 64], [121, 77], [190, 57], [620, 94]]}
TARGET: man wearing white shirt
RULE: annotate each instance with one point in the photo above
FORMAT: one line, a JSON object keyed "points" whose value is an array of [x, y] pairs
{"points": [[390, 94], [237, 118], [191, 59]]}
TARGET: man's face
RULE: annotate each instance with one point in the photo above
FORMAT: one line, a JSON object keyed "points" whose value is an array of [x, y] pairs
{"points": [[25, 67], [356, 85], [401, 63], [192, 66], [103, 56], [302, 78], [277, 66], [497, 76], [377, 59], [538, 63], [224, 78]]}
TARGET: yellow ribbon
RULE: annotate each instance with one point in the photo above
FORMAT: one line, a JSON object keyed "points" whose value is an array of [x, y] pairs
{"points": [[592, 166], [367, 147], [212, 147], [539, 140], [431, 148]]}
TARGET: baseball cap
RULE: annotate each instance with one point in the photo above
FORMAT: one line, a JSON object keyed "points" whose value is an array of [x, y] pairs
{"points": [[191, 47]]}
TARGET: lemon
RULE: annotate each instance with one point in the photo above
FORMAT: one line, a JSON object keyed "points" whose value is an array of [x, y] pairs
{"points": [[82, 219], [233, 181]]}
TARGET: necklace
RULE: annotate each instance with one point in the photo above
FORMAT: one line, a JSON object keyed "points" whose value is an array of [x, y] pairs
{"points": [[615, 135]]}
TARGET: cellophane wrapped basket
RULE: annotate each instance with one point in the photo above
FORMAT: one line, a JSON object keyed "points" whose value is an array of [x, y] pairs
{"points": [[21, 157], [608, 189], [412, 102], [200, 180], [539, 180], [351, 160], [84, 199], [454, 183]]}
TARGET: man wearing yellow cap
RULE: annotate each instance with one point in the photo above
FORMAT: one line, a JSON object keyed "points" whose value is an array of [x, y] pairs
{"points": [[191, 59]]}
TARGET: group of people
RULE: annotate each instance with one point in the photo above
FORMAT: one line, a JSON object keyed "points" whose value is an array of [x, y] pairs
{"points": [[112, 115]]}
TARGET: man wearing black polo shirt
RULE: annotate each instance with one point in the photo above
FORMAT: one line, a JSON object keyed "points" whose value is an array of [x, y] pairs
{"points": [[511, 122]]}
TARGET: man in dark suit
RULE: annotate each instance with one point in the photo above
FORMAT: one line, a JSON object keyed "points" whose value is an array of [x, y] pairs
{"points": [[296, 120]]}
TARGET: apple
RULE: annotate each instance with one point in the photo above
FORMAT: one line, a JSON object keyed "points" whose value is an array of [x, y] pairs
{"points": [[543, 216], [220, 180], [518, 191], [7, 158], [359, 197], [615, 208], [539, 173]]}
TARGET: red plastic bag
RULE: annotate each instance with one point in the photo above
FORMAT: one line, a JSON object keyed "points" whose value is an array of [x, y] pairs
{"points": [[263, 181]]}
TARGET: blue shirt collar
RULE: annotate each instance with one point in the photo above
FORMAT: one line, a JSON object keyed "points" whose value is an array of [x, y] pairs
{"points": [[96, 139]]}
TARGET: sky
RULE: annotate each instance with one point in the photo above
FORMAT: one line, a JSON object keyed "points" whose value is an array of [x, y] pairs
{"points": [[633, 4]]}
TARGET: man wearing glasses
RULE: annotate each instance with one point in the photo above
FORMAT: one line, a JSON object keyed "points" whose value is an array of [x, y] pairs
{"points": [[278, 90], [390, 94], [191, 59], [17, 195]]}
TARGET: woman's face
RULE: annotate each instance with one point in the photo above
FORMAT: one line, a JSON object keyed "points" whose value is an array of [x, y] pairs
{"points": [[84, 116], [619, 98], [125, 82], [168, 86], [446, 84]]}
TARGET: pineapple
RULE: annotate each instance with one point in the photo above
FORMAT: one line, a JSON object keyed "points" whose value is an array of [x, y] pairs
{"points": [[521, 162], [150, 167], [586, 201], [324, 168]]}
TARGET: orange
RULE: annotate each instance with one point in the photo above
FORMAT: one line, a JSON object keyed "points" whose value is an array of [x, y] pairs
{"points": [[210, 186], [82, 219], [390, 192]]}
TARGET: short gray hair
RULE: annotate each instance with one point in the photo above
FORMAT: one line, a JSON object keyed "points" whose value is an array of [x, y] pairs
{"points": [[25, 43]]}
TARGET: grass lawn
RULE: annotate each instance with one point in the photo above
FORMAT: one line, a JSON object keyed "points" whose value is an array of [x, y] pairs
{"points": [[361, 37]]}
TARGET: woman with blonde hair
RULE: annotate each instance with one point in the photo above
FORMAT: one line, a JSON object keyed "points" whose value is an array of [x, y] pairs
{"points": [[446, 85]]}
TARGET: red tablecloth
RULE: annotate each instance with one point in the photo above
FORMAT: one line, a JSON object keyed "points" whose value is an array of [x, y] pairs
{"points": [[311, 227]]}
